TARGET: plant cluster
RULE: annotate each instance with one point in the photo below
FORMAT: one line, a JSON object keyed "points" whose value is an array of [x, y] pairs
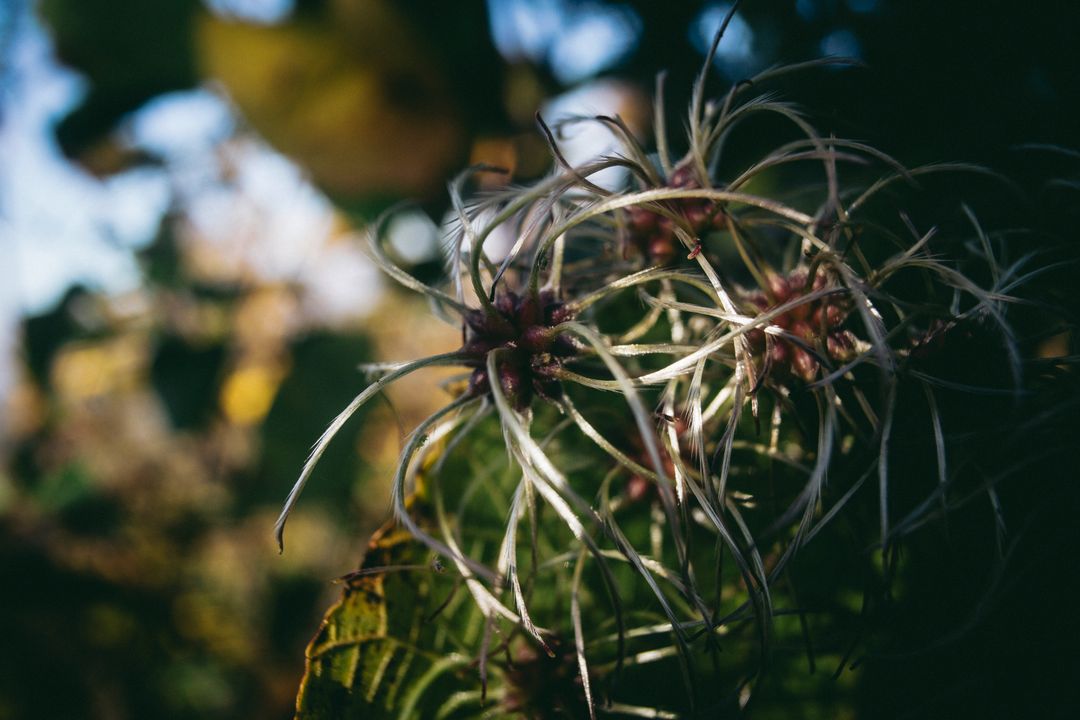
{"points": [[694, 375]]}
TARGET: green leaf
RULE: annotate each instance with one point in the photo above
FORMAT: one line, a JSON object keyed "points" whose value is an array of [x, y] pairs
{"points": [[386, 649], [129, 51]]}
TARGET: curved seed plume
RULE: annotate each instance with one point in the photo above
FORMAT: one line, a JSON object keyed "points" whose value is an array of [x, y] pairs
{"points": [[338, 422]]}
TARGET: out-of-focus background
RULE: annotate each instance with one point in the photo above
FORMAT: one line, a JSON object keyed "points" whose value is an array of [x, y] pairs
{"points": [[184, 301]]}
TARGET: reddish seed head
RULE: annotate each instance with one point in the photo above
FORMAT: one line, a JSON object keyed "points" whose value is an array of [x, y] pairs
{"points": [[816, 322], [531, 353], [653, 233]]}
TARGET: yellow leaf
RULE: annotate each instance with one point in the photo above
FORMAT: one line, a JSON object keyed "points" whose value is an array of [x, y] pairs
{"points": [[355, 102]]}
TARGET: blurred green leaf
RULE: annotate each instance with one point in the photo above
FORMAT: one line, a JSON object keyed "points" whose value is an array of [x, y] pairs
{"points": [[324, 377], [355, 99], [186, 377], [63, 489], [129, 51]]}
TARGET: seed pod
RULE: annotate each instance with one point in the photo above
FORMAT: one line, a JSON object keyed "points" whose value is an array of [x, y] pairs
{"points": [[841, 345], [802, 329], [779, 288], [513, 387], [803, 364], [536, 338]]}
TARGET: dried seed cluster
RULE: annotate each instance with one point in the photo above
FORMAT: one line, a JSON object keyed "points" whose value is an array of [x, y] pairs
{"points": [[526, 327], [812, 331], [652, 233]]}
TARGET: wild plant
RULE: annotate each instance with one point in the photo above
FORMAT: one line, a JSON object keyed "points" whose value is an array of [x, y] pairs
{"points": [[692, 375]]}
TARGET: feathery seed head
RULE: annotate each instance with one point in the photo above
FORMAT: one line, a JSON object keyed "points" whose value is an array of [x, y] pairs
{"points": [[525, 328]]}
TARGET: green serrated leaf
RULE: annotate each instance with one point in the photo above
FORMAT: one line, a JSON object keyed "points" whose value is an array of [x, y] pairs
{"points": [[377, 659]]}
